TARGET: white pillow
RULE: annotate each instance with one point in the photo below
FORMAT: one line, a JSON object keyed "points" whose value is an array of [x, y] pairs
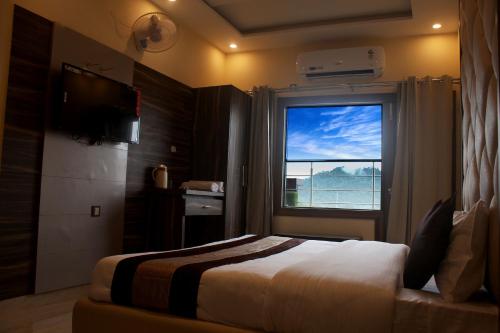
{"points": [[461, 272]]}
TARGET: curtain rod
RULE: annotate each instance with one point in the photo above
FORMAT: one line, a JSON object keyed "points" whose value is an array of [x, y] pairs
{"points": [[295, 87]]}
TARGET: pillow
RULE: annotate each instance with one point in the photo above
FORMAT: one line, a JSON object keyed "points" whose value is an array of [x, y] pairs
{"points": [[429, 246], [462, 271]]}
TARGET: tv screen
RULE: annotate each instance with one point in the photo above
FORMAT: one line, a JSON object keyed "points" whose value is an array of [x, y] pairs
{"points": [[98, 107]]}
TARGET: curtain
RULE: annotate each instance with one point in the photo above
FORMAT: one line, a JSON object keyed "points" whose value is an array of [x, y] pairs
{"points": [[423, 167], [259, 210]]}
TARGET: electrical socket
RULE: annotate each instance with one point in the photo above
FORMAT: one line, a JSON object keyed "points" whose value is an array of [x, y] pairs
{"points": [[95, 211]]}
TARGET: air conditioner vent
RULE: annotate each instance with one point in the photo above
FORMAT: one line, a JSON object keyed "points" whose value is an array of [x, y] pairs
{"points": [[341, 73]]}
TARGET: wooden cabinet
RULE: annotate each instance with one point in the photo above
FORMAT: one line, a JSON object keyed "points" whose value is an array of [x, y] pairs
{"points": [[220, 151], [164, 219]]}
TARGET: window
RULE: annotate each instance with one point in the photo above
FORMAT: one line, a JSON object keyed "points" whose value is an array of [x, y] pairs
{"points": [[333, 156], [333, 153]]}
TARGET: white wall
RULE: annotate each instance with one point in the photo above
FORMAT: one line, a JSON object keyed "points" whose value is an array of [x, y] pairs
{"points": [[76, 176], [432, 55]]}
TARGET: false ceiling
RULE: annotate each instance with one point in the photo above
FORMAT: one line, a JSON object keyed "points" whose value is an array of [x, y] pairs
{"points": [[264, 24]]}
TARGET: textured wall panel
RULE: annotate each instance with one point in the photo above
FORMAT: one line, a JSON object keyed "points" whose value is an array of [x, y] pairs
{"points": [[480, 73]]}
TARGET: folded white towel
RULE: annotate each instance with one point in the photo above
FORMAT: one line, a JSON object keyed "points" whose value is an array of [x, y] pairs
{"points": [[203, 186]]}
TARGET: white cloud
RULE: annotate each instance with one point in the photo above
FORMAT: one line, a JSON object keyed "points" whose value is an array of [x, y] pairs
{"points": [[346, 136], [312, 146]]}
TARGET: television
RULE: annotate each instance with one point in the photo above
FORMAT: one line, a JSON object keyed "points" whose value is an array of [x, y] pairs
{"points": [[96, 107]]}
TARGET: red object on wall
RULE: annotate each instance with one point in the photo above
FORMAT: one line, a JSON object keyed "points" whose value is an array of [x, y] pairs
{"points": [[138, 103]]}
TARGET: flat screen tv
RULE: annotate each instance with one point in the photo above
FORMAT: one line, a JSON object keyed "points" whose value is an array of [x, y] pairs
{"points": [[97, 107]]}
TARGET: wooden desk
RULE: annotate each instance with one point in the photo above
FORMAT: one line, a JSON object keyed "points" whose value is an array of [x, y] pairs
{"points": [[177, 219]]}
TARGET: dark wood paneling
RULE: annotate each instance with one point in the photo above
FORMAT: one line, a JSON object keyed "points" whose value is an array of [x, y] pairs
{"points": [[220, 150], [166, 120], [21, 166], [239, 125], [210, 133], [164, 222]]}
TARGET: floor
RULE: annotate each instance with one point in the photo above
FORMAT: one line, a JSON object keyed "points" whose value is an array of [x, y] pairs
{"points": [[43, 313]]}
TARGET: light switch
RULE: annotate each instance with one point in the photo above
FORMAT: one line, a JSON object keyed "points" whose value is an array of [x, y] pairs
{"points": [[173, 149], [95, 211]]}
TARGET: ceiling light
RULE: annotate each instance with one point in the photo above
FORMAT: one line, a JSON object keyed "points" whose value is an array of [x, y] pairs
{"points": [[171, 0], [233, 45], [436, 26]]}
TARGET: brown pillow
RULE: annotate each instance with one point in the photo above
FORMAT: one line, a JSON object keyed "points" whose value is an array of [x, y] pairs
{"points": [[429, 245]]}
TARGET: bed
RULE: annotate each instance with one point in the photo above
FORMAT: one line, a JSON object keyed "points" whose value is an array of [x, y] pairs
{"points": [[356, 287]]}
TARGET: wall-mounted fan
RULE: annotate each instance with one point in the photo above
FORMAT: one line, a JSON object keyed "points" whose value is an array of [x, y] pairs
{"points": [[154, 32]]}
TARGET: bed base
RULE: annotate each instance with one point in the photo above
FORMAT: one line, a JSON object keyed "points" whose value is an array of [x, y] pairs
{"points": [[96, 317]]}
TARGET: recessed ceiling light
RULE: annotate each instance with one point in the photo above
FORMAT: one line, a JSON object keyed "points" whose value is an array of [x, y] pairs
{"points": [[172, 0], [233, 45], [436, 26]]}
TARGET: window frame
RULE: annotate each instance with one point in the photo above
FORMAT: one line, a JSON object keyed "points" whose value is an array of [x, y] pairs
{"points": [[388, 102]]}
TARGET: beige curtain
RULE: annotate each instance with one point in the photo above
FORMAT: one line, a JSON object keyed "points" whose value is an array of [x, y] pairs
{"points": [[259, 212], [423, 162]]}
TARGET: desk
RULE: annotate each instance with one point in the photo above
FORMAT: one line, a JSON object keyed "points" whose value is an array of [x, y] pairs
{"points": [[177, 219]]}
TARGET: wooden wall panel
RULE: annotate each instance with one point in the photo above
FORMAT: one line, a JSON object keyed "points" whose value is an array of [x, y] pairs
{"points": [[220, 136], [21, 166], [166, 120], [211, 132]]}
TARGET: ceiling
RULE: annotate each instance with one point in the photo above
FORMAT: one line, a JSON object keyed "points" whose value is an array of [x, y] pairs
{"points": [[265, 24]]}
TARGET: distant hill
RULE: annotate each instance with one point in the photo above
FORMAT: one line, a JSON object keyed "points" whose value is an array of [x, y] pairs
{"points": [[339, 188], [339, 178]]}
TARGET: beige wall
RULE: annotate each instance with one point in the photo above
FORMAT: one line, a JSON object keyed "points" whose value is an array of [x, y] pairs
{"points": [[5, 35], [433, 55], [316, 226], [192, 60]]}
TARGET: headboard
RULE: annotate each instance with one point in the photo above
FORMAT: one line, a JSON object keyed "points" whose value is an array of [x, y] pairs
{"points": [[479, 65]]}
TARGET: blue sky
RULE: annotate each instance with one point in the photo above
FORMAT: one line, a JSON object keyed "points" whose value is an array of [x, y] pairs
{"points": [[334, 132]]}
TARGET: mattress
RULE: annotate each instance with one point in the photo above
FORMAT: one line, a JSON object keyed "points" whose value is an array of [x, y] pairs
{"points": [[215, 303], [414, 311]]}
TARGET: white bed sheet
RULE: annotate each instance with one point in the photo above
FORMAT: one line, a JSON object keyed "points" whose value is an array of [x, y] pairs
{"points": [[235, 295]]}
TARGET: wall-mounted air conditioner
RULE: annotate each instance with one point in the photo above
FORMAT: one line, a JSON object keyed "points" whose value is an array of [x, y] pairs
{"points": [[358, 61]]}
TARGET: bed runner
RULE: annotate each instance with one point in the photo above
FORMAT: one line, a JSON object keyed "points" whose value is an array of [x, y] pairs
{"points": [[169, 281]]}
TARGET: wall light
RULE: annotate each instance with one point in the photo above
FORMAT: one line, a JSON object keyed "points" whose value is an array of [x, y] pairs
{"points": [[233, 45], [436, 26]]}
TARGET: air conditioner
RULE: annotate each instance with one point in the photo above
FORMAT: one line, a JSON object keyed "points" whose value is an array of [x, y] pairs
{"points": [[358, 61]]}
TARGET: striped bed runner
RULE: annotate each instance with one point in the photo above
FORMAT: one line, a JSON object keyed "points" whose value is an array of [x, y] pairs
{"points": [[169, 281]]}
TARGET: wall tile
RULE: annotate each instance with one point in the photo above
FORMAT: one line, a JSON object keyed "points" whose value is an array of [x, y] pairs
{"points": [[75, 196], [64, 157]]}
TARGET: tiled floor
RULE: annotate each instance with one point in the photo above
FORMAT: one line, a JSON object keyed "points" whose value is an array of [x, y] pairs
{"points": [[43, 313]]}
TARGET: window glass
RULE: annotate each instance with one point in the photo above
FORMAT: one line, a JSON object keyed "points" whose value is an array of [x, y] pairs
{"points": [[333, 157]]}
